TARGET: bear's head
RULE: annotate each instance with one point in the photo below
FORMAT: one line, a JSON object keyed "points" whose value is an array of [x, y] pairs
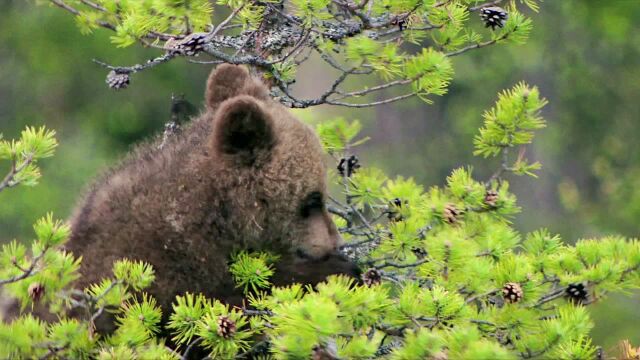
{"points": [[278, 164]]}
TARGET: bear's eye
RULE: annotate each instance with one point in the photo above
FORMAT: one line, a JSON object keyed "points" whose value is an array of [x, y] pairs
{"points": [[311, 203]]}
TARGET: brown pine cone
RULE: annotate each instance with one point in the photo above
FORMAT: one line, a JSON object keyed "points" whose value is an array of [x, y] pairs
{"points": [[226, 327], [117, 80], [512, 292], [491, 198], [191, 45], [372, 277], [451, 214], [36, 291]]}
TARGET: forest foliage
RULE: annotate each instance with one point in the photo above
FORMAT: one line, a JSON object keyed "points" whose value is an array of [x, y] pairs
{"points": [[446, 274]]}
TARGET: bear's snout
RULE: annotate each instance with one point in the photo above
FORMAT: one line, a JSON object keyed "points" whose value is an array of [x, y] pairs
{"points": [[300, 268]]}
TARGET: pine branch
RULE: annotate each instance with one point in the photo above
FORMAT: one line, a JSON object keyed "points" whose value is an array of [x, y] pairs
{"points": [[7, 182], [138, 67], [28, 272], [350, 21], [477, 46], [487, 4], [401, 266]]}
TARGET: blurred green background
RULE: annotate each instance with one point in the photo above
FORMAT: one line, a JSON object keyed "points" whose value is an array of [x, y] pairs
{"points": [[583, 54]]}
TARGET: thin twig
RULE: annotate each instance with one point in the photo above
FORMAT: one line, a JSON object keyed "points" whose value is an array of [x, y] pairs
{"points": [[93, 5], [356, 243], [151, 35], [374, 103], [191, 346], [490, 3], [334, 210], [477, 46], [15, 170], [138, 67], [224, 22], [401, 266], [474, 298], [30, 271], [557, 293], [53, 351]]}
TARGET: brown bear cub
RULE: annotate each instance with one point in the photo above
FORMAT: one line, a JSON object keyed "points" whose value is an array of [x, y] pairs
{"points": [[245, 174]]}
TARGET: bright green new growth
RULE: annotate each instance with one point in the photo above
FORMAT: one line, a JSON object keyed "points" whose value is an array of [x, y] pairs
{"points": [[509, 124], [447, 277], [23, 154], [339, 134], [252, 271], [136, 274], [46, 266]]}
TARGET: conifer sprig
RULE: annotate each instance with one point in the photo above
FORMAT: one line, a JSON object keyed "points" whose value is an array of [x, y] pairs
{"points": [[23, 154]]}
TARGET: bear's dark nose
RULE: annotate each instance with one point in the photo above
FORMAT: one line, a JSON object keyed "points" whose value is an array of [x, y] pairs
{"points": [[305, 269]]}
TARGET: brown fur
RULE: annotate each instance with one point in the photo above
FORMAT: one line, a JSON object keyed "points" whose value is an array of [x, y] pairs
{"points": [[237, 178]]}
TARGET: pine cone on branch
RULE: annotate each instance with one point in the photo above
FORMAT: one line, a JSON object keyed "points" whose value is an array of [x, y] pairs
{"points": [[191, 45], [491, 198], [512, 292], [577, 293], [117, 80], [451, 214], [36, 291], [348, 166], [372, 277], [394, 214], [494, 16], [226, 327]]}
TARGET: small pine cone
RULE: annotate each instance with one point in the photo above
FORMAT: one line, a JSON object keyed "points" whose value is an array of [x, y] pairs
{"points": [[117, 80], [191, 45], [512, 292], [577, 293], [393, 214], [451, 214], [36, 291], [400, 22], [226, 327], [353, 163], [446, 324], [493, 16], [372, 277], [348, 166], [419, 252], [491, 198]]}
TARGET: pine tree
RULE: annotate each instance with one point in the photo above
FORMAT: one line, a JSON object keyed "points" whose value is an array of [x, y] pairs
{"points": [[447, 275]]}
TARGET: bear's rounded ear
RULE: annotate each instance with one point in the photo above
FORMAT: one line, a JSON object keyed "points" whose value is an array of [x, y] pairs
{"points": [[227, 81], [243, 130]]}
